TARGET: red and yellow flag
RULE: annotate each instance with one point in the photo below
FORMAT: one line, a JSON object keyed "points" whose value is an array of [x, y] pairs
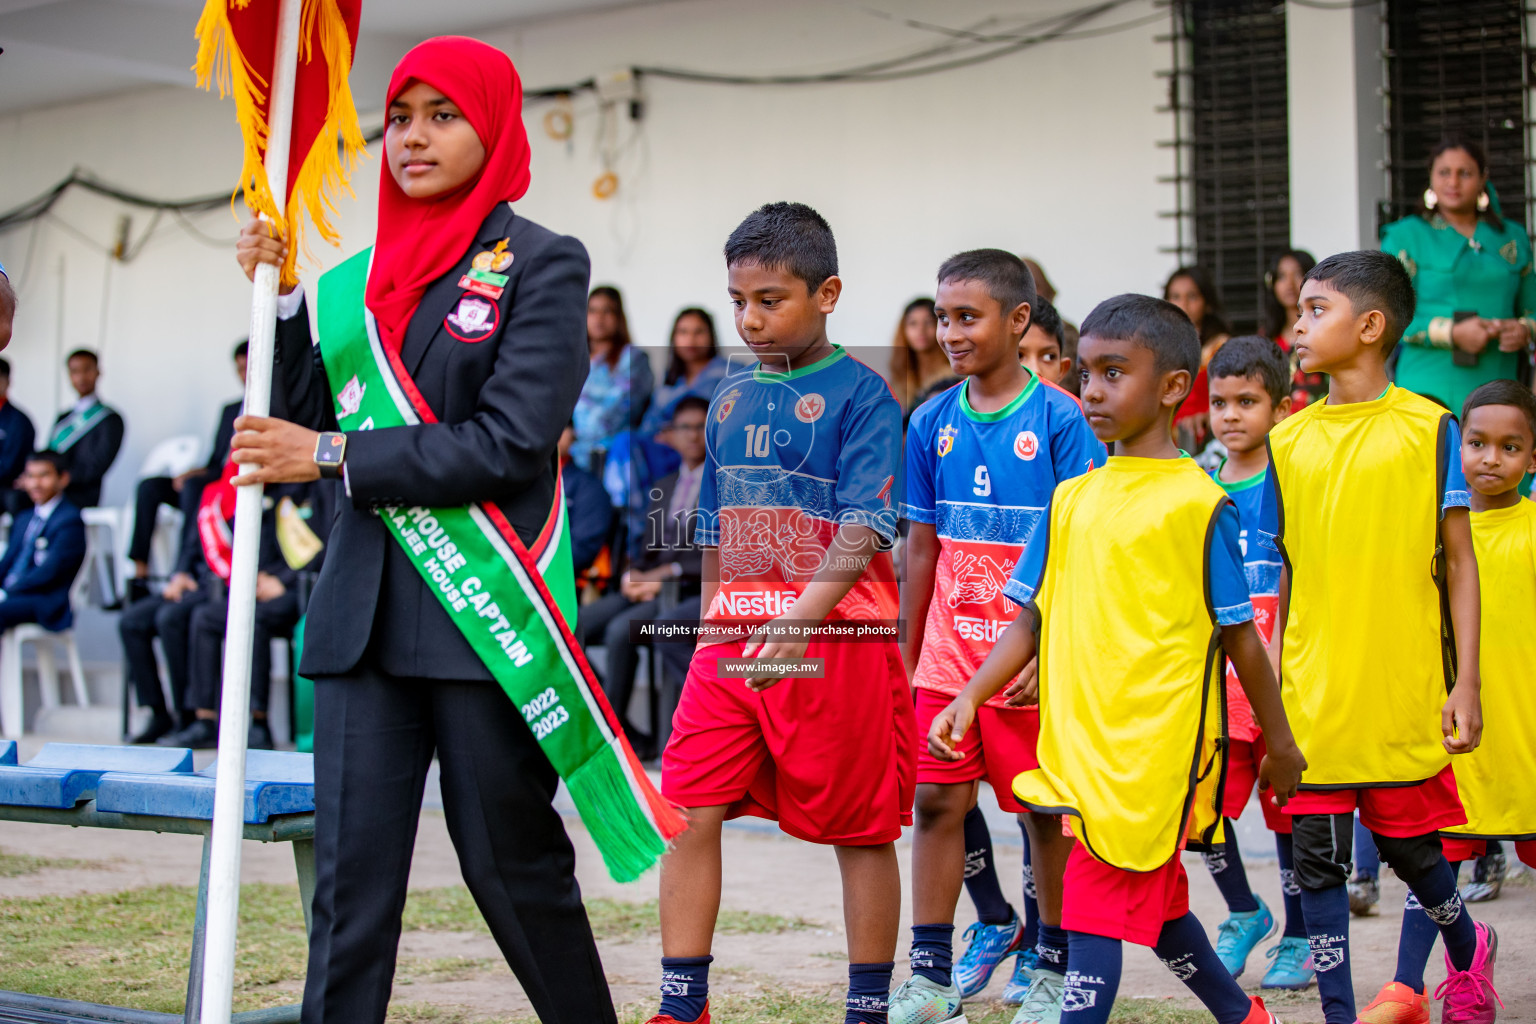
{"points": [[237, 46]]}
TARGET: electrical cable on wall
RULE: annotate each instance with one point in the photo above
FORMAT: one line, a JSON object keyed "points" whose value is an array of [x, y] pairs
{"points": [[960, 50]]}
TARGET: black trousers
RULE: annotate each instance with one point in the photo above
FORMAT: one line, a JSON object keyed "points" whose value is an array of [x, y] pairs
{"points": [[171, 621], [606, 622], [154, 491], [274, 618], [375, 735]]}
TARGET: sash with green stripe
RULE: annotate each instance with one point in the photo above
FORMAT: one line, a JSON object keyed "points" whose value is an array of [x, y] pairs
{"points": [[75, 426], [514, 605]]}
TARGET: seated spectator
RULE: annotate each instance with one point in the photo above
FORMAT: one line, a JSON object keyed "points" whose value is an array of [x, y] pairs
{"points": [[7, 308], [294, 531], [695, 367], [168, 616], [90, 432], [667, 554], [619, 379], [917, 358], [182, 491], [588, 510], [46, 549], [16, 439]]}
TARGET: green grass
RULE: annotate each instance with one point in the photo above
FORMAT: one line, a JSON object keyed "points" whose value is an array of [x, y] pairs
{"points": [[453, 910], [131, 948], [13, 865]]}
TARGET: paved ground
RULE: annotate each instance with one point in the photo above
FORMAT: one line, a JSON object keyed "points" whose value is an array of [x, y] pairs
{"points": [[764, 873]]}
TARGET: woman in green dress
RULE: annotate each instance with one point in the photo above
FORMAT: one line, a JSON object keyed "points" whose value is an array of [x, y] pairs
{"points": [[1471, 271]]}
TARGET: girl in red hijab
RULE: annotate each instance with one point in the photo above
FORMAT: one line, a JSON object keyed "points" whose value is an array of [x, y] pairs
{"points": [[481, 314]]}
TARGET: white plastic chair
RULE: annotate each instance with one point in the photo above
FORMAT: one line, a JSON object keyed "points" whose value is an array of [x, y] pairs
{"points": [[171, 457], [45, 644]]}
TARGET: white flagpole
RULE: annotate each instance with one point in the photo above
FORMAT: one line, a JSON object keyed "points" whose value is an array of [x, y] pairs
{"points": [[235, 706]]}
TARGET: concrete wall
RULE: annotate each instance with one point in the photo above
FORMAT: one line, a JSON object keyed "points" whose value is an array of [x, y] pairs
{"points": [[1051, 152]]}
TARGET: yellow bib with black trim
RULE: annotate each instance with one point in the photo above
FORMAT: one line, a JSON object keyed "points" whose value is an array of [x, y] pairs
{"points": [[1131, 699], [1495, 778], [1366, 663]]}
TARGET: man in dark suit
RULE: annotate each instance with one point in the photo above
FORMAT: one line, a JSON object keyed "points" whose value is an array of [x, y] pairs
{"points": [[46, 550], [667, 555], [16, 440], [295, 524], [182, 491], [395, 680], [588, 508], [90, 433]]}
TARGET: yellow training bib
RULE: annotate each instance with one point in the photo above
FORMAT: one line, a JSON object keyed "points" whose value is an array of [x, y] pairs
{"points": [[1495, 778], [1366, 663], [1131, 705]]}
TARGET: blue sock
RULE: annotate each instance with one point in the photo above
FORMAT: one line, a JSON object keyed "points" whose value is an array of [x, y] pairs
{"points": [[685, 986], [933, 952], [1089, 992], [869, 993], [1031, 904], [1295, 924], [1438, 896], [981, 871], [1327, 916], [1416, 941], [1225, 863], [1184, 950], [1053, 948]]}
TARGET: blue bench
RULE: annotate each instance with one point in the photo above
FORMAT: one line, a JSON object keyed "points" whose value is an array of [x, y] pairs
{"points": [[64, 774], [156, 789]]}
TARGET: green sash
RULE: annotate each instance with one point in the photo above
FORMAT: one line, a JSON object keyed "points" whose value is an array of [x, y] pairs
{"points": [[75, 426], [512, 605]]}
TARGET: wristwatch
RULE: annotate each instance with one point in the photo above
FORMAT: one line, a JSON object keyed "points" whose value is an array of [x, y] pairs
{"points": [[330, 452]]}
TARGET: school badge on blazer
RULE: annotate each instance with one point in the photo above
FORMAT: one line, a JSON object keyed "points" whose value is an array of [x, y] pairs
{"points": [[473, 319]]}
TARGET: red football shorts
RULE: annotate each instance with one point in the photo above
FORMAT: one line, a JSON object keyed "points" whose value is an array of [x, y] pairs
{"points": [[1100, 899], [998, 746], [830, 759], [1459, 848], [1242, 778], [1400, 812]]}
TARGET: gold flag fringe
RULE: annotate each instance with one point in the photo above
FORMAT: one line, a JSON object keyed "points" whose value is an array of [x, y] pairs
{"points": [[326, 168]]}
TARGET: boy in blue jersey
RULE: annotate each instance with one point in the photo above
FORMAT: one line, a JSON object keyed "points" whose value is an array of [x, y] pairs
{"points": [[982, 460], [796, 516], [1134, 584], [1250, 393]]}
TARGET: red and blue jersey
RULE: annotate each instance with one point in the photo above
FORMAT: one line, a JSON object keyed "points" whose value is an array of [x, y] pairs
{"points": [[791, 458], [984, 480], [1261, 569]]}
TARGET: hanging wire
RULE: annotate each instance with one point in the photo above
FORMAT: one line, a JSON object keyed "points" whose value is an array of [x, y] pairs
{"points": [[960, 50]]}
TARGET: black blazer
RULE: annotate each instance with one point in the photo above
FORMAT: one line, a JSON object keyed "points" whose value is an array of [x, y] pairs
{"points": [[91, 457], [48, 565], [501, 400], [669, 538], [221, 439]]}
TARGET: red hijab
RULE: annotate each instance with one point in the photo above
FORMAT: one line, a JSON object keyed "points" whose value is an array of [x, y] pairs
{"points": [[420, 240]]}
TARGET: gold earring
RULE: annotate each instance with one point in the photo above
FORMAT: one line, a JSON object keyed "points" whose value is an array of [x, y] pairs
{"points": [[1430, 199], [1482, 202]]}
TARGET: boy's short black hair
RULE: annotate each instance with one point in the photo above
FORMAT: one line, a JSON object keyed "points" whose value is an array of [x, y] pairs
{"points": [[1255, 356], [5, 368], [696, 403], [1503, 392], [1152, 324], [785, 236], [81, 353], [1007, 279], [243, 349], [1043, 314], [1371, 280], [58, 460]]}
